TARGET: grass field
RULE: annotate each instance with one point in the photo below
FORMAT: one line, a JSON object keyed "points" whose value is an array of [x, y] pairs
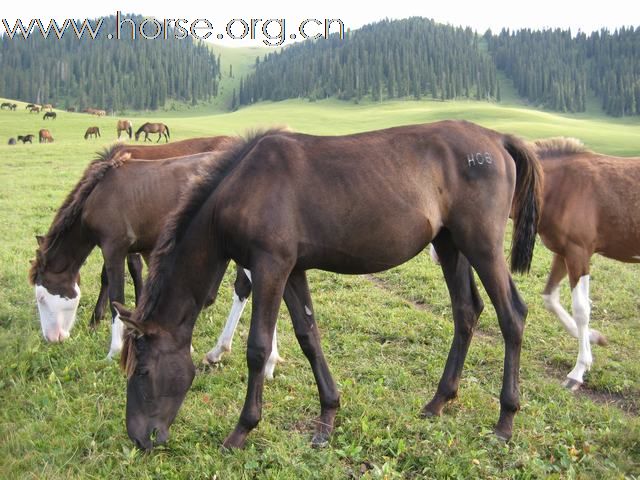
{"points": [[386, 338]]}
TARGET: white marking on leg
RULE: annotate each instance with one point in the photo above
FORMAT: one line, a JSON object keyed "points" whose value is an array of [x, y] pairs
{"points": [[581, 312], [307, 310], [552, 303], [274, 357], [434, 254], [226, 338], [117, 331], [57, 313], [247, 273]]}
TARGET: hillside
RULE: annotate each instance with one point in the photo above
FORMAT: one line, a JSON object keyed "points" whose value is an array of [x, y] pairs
{"points": [[105, 73], [416, 57]]}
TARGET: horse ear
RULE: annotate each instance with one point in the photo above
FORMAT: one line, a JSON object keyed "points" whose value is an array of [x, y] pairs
{"points": [[40, 240], [125, 316]]}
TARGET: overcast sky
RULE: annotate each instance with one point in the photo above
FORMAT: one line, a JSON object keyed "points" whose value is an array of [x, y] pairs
{"points": [[480, 15]]}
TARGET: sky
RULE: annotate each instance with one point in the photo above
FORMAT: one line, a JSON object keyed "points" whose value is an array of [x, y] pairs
{"points": [[478, 14]]}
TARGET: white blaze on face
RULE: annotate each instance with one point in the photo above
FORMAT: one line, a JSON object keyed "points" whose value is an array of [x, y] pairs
{"points": [[57, 313]]}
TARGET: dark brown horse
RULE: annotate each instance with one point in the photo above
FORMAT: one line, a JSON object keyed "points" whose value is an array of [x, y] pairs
{"points": [[95, 131], [71, 109], [284, 203], [28, 106], [590, 206], [8, 105], [159, 128], [44, 136], [119, 204], [124, 126], [26, 138], [51, 115], [35, 109]]}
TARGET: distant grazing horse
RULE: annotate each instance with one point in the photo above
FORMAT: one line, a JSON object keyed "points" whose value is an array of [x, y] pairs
{"points": [[95, 131], [591, 205], [283, 203], [30, 105], [35, 109], [12, 141], [51, 115], [13, 107], [47, 106], [99, 113], [26, 138], [44, 136], [117, 199], [159, 128], [124, 126], [71, 109], [5, 105]]}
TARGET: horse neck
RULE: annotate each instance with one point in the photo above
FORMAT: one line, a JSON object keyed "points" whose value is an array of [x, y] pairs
{"points": [[68, 250], [192, 279]]}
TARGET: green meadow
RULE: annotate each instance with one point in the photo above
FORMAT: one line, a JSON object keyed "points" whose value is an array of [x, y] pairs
{"points": [[386, 338]]}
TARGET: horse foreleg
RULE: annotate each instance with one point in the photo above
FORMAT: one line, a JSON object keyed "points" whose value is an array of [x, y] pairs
{"points": [[101, 304], [269, 276], [467, 307], [134, 264], [241, 292], [551, 297], [115, 272], [298, 300], [159, 137]]}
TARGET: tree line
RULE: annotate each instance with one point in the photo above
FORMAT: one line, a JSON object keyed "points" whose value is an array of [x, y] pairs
{"points": [[558, 70], [107, 73], [417, 57]]}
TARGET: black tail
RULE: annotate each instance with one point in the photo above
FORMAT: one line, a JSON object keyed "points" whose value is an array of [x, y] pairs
{"points": [[166, 127], [527, 202]]}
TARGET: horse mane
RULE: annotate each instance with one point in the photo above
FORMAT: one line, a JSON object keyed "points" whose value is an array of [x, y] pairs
{"points": [[548, 147], [71, 208], [200, 186]]}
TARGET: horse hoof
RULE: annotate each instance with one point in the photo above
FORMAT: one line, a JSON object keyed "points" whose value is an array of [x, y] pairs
{"points": [[320, 440], [504, 436], [571, 384], [232, 443]]}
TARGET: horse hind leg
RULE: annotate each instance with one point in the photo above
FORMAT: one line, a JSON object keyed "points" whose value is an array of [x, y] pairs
{"points": [[467, 307], [551, 298], [581, 308], [491, 266], [134, 264], [298, 300], [101, 303], [241, 292]]}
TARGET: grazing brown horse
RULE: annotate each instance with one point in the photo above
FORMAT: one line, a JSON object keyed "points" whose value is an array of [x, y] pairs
{"points": [[119, 204], [47, 106], [159, 128], [28, 106], [284, 203], [95, 131], [51, 115], [44, 136], [590, 206], [71, 109], [124, 126], [26, 138], [99, 113], [35, 109]]}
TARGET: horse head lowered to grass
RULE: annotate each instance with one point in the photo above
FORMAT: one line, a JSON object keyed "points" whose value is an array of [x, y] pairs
{"points": [[283, 203]]}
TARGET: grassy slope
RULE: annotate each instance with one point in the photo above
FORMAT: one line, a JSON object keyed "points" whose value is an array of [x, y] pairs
{"points": [[62, 409]]}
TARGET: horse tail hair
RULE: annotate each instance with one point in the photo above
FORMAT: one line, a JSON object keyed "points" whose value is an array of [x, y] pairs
{"points": [[167, 128], [527, 202], [130, 131]]}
